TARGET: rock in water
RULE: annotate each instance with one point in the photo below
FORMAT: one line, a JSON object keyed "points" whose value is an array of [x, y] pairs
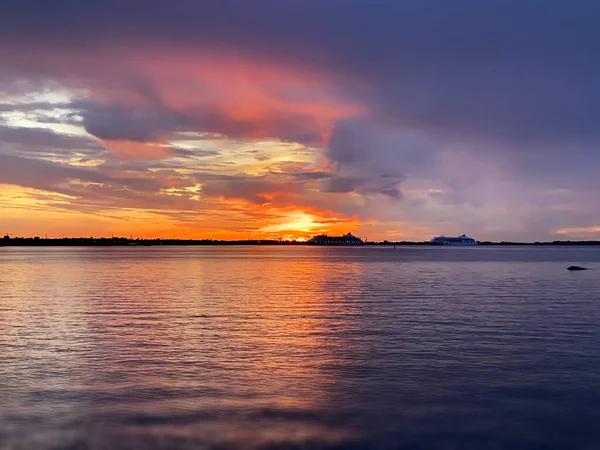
{"points": [[576, 268]]}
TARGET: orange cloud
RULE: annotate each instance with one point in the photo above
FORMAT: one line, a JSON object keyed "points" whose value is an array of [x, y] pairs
{"points": [[221, 92], [125, 149], [201, 91]]}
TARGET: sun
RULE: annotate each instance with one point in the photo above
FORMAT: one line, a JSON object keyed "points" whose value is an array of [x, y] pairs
{"points": [[297, 221]]}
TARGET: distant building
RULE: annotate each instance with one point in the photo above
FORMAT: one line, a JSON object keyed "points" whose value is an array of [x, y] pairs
{"points": [[7, 237], [347, 239], [460, 240]]}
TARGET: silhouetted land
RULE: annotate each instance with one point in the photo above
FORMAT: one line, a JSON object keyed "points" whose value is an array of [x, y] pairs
{"points": [[120, 241]]}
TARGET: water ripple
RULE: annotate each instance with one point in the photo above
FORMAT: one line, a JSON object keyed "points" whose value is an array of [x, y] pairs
{"points": [[299, 348]]}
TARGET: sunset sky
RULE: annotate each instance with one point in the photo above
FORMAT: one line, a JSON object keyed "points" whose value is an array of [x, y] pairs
{"points": [[392, 119]]}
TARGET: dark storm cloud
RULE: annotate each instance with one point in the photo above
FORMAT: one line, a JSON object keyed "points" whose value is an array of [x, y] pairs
{"points": [[374, 159], [35, 140], [111, 123], [519, 71], [518, 80], [367, 185], [342, 185], [45, 175], [142, 124], [46, 144], [159, 121], [197, 153], [310, 175], [255, 189]]}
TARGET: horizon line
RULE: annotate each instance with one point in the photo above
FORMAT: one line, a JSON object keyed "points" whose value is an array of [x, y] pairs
{"points": [[118, 239]]}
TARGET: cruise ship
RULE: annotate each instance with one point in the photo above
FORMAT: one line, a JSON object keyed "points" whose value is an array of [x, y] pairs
{"points": [[460, 240], [347, 239]]}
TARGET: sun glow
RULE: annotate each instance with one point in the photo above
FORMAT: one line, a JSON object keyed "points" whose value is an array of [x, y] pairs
{"points": [[297, 221]]}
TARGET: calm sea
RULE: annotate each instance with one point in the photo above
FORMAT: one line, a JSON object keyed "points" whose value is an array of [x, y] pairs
{"points": [[299, 348]]}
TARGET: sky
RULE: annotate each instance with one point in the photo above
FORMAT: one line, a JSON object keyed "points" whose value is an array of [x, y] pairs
{"points": [[236, 119]]}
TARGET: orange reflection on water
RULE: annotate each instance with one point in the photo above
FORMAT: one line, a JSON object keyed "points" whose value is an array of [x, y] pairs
{"points": [[229, 344]]}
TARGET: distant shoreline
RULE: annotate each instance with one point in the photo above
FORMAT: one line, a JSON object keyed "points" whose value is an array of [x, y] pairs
{"points": [[115, 241]]}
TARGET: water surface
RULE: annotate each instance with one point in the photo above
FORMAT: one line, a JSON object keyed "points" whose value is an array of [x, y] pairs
{"points": [[299, 348]]}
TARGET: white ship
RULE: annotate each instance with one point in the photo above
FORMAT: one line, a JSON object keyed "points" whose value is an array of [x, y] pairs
{"points": [[460, 240]]}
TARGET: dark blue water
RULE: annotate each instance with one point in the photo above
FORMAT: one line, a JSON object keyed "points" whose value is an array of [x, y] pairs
{"points": [[299, 348]]}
